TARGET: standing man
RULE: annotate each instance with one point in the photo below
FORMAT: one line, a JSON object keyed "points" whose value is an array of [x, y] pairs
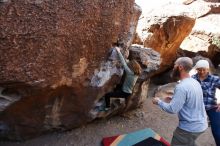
{"points": [[187, 101], [209, 83]]}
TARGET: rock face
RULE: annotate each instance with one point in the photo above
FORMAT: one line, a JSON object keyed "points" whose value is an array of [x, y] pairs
{"points": [[166, 90], [205, 35], [215, 1], [53, 63], [150, 62], [164, 31], [167, 36], [149, 59]]}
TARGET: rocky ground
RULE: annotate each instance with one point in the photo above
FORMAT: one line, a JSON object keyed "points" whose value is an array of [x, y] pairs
{"points": [[148, 116]]}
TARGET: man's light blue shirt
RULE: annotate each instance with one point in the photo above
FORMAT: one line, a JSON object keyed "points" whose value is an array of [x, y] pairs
{"points": [[187, 101]]}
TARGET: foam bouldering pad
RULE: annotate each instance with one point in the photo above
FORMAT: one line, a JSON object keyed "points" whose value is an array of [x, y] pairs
{"points": [[144, 137]]}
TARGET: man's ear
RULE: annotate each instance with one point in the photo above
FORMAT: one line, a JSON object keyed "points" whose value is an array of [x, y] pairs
{"points": [[180, 67]]}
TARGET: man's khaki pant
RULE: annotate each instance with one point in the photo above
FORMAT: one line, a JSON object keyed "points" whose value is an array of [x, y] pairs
{"points": [[184, 138]]}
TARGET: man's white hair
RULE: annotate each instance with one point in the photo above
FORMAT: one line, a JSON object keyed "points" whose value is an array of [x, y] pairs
{"points": [[186, 62]]}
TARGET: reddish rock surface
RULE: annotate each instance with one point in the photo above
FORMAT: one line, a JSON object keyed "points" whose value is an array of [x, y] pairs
{"points": [[51, 53], [205, 36], [166, 30], [166, 37]]}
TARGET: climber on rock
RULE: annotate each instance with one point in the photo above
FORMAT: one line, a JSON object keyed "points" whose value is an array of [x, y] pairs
{"points": [[132, 71]]}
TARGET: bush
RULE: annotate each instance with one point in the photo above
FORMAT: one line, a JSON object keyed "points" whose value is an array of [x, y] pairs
{"points": [[216, 41]]}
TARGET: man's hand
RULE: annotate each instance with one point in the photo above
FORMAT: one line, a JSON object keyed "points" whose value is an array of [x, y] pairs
{"points": [[218, 107], [167, 99], [155, 100], [117, 49]]}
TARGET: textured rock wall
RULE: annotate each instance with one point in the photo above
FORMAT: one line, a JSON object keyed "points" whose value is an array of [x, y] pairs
{"points": [[205, 36], [150, 61], [191, 25], [165, 30], [51, 51], [166, 36]]}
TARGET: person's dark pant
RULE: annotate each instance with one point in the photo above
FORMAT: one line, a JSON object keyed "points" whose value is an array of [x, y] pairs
{"points": [[184, 138], [115, 94], [214, 118]]}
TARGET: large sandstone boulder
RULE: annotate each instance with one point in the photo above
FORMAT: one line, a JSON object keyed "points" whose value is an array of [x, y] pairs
{"points": [[166, 37], [166, 90], [53, 64], [205, 35], [150, 61], [164, 31]]}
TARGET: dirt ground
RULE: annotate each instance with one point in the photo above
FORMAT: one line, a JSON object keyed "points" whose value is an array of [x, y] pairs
{"points": [[148, 116]]}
